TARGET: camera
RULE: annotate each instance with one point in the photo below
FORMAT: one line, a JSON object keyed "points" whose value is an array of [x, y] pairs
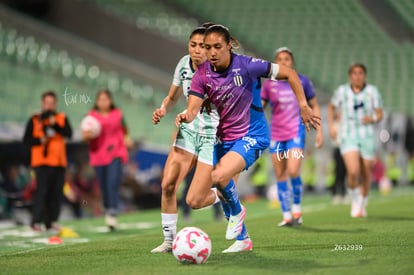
{"points": [[44, 117], [47, 114]]}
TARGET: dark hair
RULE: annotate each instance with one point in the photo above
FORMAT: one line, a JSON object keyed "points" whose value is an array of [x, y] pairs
{"points": [[202, 29], [223, 31], [208, 24], [285, 50], [357, 65], [108, 94], [49, 93]]}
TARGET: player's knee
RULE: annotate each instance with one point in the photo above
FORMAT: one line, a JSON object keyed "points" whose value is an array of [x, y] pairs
{"points": [[218, 176], [352, 179], [282, 175], [194, 201], [352, 175], [168, 187], [293, 173], [366, 177]]}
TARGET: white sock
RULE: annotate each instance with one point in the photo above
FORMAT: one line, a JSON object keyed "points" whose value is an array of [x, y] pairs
{"points": [[169, 226], [287, 216], [296, 208], [354, 193], [214, 189], [364, 201], [215, 193]]}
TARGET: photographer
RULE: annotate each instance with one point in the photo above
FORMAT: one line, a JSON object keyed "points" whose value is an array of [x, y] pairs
{"points": [[45, 135]]}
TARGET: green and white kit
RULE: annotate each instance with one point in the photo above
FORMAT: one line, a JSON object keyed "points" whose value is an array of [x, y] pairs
{"points": [[354, 135], [197, 137]]}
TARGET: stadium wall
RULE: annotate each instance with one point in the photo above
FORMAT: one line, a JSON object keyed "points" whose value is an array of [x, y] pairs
{"points": [[93, 23]]}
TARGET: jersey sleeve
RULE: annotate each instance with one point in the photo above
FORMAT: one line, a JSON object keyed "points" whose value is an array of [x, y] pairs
{"points": [[177, 75], [258, 67], [336, 100], [308, 88], [377, 104], [197, 85], [264, 93]]}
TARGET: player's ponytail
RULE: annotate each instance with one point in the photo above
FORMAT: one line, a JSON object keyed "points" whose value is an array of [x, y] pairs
{"points": [[235, 43]]}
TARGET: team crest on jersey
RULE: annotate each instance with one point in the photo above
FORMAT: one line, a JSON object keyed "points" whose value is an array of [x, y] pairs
{"points": [[183, 75], [238, 80]]}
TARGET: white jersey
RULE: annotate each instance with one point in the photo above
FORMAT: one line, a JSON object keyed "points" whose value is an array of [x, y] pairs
{"points": [[353, 107], [204, 124]]}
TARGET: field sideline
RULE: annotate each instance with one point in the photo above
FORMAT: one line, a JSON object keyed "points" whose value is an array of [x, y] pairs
{"points": [[329, 242]]}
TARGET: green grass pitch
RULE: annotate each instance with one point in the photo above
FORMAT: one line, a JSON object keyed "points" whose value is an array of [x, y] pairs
{"points": [[329, 242]]}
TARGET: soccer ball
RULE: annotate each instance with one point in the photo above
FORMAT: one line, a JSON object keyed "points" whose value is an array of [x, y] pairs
{"points": [[89, 123], [191, 246]]}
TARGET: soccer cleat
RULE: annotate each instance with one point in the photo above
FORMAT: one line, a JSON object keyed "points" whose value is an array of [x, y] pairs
{"points": [[36, 227], [285, 223], [362, 214], [356, 210], [56, 226], [235, 225], [54, 229], [297, 218], [111, 221], [240, 246], [165, 247]]}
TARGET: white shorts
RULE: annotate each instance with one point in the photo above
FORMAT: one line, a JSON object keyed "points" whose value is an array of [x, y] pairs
{"points": [[199, 145]]}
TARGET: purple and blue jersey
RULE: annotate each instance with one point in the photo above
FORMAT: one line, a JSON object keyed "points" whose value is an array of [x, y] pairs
{"points": [[236, 94], [286, 122]]}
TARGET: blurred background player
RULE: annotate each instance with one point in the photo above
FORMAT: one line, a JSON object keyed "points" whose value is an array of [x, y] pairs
{"points": [[339, 173], [360, 106], [45, 134], [108, 151], [288, 136], [339, 169], [15, 191], [231, 82], [193, 145]]}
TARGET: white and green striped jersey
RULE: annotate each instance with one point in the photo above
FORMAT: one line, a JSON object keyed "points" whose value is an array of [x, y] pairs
{"points": [[204, 124], [353, 107]]}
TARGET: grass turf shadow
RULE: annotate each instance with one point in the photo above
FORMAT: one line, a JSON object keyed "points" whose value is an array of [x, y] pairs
{"points": [[390, 218], [254, 262], [329, 230]]}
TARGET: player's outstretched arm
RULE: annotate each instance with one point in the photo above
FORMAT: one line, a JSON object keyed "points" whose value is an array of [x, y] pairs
{"points": [[167, 104], [331, 119], [308, 116], [313, 102], [193, 107]]}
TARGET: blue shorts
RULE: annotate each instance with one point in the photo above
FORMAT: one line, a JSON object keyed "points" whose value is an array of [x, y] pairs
{"points": [[284, 146], [249, 147]]}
